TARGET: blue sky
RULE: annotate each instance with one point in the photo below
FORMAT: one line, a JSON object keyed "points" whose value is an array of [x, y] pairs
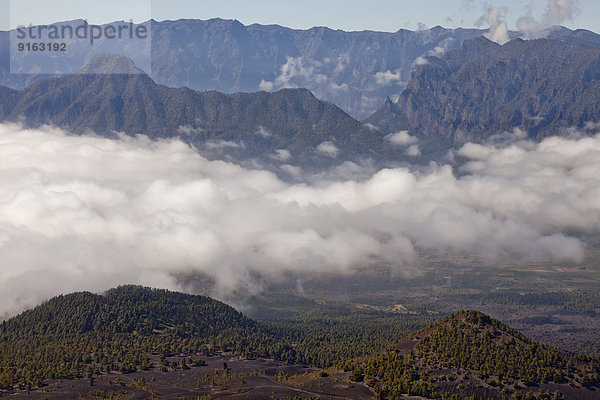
{"points": [[383, 15]]}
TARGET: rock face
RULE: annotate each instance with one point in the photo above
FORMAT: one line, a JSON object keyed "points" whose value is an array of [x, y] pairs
{"points": [[539, 85]]}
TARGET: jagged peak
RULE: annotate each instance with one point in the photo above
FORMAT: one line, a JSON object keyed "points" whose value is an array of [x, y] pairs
{"points": [[388, 106]]}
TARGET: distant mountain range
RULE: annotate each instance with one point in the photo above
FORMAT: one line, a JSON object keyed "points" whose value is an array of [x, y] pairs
{"points": [[354, 70], [464, 95]]}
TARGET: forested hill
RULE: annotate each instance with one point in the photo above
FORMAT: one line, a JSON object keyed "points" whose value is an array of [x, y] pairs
{"points": [[81, 332], [129, 309], [470, 354], [127, 329], [134, 329]]}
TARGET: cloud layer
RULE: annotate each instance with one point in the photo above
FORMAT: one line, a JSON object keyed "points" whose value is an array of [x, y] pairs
{"points": [[87, 213]]}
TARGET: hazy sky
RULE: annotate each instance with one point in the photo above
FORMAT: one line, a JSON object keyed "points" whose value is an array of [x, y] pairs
{"points": [[384, 15]]}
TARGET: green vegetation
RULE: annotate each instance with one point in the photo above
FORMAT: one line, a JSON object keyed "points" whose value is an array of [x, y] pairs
{"points": [[470, 346], [325, 334], [131, 329], [84, 334], [476, 342], [580, 301]]}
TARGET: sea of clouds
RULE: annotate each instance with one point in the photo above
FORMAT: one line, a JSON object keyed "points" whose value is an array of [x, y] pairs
{"points": [[89, 213]]}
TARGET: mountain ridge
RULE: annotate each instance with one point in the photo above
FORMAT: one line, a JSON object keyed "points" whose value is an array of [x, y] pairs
{"points": [[541, 86], [230, 57], [255, 124], [361, 67]]}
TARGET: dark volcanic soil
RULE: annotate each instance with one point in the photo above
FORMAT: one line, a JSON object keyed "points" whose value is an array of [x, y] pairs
{"points": [[244, 379]]}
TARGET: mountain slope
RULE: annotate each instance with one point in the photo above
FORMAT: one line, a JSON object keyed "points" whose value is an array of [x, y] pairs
{"points": [[136, 105], [540, 86], [8, 99], [131, 309], [118, 331], [580, 37], [254, 124], [471, 354]]}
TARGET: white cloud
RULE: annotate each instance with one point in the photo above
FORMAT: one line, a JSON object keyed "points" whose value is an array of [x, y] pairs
{"points": [[189, 130], [387, 77], [222, 145], [295, 73], [475, 151], [87, 213], [291, 170], [322, 77], [328, 149], [371, 127], [263, 132], [421, 61], [437, 51], [402, 138], [334, 87], [281, 155], [369, 103], [559, 11], [413, 151], [340, 63], [266, 86], [498, 28]]}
